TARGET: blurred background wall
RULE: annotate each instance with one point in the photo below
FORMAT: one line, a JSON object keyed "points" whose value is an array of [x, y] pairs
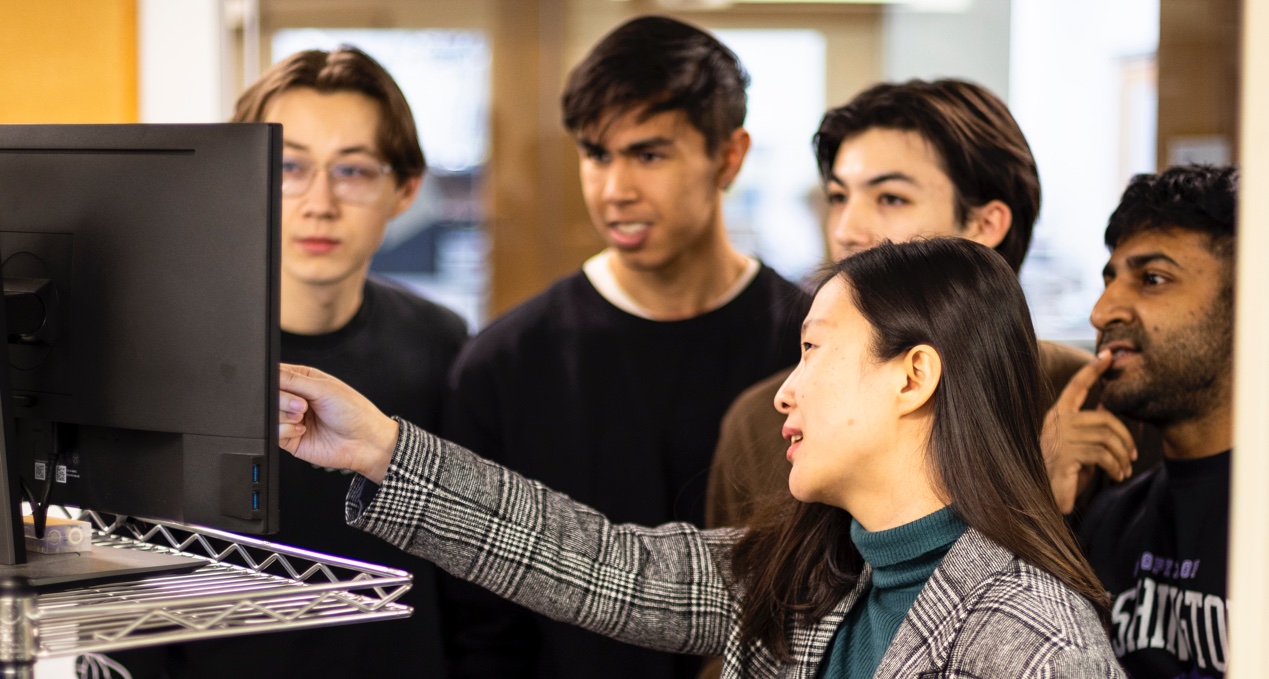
{"points": [[1102, 88]]}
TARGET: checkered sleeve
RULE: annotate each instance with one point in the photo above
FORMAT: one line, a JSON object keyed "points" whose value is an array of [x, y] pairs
{"points": [[662, 587]]}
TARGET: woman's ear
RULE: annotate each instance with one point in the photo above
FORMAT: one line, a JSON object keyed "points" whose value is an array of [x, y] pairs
{"points": [[923, 368], [989, 224]]}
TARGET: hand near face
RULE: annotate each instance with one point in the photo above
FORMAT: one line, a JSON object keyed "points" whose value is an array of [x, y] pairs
{"points": [[327, 423], [1075, 442]]}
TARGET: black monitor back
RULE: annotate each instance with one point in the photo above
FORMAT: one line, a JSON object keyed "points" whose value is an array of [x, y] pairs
{"points": [[151, 388]]}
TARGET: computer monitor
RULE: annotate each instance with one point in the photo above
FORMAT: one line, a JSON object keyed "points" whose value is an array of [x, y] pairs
{"points": [[141, 277]]}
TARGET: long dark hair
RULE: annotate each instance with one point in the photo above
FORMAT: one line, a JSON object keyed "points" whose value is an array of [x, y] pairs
{"points": [[797, 562]]}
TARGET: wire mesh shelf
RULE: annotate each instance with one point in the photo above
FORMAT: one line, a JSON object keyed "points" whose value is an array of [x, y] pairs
{"points": [[247, 586]]}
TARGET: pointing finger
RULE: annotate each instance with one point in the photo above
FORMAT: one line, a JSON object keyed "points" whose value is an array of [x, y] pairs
{"points": [[301, 381], [1076, 391]]}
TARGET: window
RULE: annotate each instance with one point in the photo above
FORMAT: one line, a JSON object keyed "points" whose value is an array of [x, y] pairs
{"points": [[774, 209]]}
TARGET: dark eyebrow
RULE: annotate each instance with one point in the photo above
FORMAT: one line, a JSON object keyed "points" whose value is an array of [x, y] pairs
{"points": [[591, 148], [360, 148], [892, 177], [348, 150], [1137, 262], [642, 146], [645, 145], [878, 180]]}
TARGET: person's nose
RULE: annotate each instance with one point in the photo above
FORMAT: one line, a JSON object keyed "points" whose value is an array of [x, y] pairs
{"points": [[620, 186], [784, 398], [849, 230], [1112, 307], [319, 200]]}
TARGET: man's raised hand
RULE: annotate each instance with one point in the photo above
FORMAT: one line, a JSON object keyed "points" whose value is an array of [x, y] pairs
{"points": [[1076, 441]]}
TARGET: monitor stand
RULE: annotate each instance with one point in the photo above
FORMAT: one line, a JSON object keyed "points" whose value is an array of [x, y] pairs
{"points": [[48, 571]]}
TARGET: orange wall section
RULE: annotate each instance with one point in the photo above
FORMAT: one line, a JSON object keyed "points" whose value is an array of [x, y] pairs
{"points": [[68, 61]]}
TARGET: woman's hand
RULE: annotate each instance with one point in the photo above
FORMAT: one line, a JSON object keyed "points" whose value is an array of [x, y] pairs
{"points": [[324, 421]]}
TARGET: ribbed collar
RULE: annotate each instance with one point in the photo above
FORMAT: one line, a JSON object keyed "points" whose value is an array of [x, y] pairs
{"points": [[899, 554], [598, 270]]}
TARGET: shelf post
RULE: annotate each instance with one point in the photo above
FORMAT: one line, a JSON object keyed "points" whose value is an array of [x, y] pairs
{"points": [[18, 629]]}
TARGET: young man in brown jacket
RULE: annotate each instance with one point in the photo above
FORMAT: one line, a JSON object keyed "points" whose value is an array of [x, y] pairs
{"points": [[918, 160]]}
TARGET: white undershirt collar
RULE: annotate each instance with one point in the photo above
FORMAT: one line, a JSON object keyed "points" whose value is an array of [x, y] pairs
{"points": [[598, 270]]}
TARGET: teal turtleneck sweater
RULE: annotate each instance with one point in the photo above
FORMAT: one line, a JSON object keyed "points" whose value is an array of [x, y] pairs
{"points": [[902, 559]]}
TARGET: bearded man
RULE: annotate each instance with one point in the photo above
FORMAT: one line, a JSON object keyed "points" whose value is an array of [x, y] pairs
{"points": [[1165, 335]]}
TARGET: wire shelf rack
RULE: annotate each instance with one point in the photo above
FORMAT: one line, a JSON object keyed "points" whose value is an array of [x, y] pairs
{"points": [[247, 586]]}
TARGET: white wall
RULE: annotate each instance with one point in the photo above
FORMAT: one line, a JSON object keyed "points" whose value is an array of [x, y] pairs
{"points": [[966, 39], [1249, 532], [180, 53], [1066, 91]]}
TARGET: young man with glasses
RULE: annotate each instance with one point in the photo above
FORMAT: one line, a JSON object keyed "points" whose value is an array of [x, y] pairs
{"points": [[351, 161]]}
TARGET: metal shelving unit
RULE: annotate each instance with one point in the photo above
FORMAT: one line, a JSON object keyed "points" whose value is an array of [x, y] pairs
{"points": [[247, 586]]}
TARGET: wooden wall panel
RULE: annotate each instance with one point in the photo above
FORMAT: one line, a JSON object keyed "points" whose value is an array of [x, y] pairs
{"points": [[533, 195], [1198, 72]]}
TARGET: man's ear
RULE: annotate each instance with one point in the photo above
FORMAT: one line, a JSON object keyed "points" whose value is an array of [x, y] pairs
{"points": [[733, 151], [406, 193], [923, 368], [988, 224]]}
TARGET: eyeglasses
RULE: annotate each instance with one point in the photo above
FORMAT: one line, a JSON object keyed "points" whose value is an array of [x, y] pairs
{"points": [[351, 181]]}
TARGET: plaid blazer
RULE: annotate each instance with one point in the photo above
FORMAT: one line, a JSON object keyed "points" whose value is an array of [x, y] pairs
{"points": [[983, 613]]}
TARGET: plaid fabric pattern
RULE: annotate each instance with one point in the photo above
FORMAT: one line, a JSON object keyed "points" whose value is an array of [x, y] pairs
{"points": [[983, 613]]}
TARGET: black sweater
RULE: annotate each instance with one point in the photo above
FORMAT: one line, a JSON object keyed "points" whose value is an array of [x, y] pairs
{"points": [[1158, 543], [621, 413]]}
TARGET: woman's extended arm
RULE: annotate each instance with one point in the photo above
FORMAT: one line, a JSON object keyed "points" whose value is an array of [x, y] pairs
{"points": [[658, 587]]}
